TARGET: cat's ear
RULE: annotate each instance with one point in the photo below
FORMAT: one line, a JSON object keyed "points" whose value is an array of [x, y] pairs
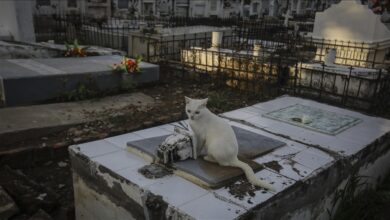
{"points": [[187, 99], [204, 102]]}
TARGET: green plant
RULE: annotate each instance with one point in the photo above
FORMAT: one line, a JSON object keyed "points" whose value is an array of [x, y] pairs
{"points": [[82, 92], [219, 101], [74, 50]]}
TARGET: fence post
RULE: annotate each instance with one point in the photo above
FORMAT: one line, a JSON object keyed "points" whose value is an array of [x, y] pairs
{"points": [[148, 50], [345, 97], [374, 95], [322, 80], [296, 77], [374, 58], [181, 58]]}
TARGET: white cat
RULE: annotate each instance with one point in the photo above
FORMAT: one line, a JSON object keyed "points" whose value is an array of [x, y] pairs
{"points": [[217, 136]]}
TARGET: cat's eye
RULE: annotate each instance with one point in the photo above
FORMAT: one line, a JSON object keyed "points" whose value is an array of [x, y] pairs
{"points": [[197, 112], [189, 111]]}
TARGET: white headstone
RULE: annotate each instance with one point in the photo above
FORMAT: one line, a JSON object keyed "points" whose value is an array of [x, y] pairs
{"points": [[216, 39], [330, 57], [142, 25], [256, 50], [159, 28]]}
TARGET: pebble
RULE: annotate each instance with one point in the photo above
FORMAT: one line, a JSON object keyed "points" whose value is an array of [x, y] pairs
{"points": [[77, 132], [76, 140], [41, 196], [62, 164]]}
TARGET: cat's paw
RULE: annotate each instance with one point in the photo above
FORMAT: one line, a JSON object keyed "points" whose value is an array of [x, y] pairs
{"points": [[209, 159]]}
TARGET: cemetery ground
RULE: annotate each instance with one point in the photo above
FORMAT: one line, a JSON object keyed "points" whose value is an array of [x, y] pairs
{"points": [[36, 173]]}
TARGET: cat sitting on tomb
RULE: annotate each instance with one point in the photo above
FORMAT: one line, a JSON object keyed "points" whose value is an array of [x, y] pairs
{"points": [[217, 136]]}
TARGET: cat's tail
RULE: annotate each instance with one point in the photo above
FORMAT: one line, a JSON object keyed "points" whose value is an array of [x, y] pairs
{"points": [[250, 175]]}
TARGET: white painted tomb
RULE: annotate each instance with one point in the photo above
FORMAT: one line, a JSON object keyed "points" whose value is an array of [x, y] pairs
{"points": [[339, 79], [306, 172], [351, 22], [138, 41]]}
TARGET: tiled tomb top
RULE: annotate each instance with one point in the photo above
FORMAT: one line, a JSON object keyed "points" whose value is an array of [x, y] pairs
{"points": [[284, 166], [345, 143]]}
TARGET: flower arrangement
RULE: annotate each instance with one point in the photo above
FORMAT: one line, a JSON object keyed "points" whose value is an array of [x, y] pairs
{"points": [[128, 65], [75, 50]]}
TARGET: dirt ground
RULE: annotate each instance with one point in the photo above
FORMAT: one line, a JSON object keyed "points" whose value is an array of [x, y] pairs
{"points": [[39, 179]]}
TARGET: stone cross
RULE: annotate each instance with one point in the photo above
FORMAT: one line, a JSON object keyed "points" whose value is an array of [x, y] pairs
{"points": [[287, 16]]}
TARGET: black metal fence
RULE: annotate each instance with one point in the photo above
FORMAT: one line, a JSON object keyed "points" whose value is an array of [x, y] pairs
{"points": [[360, 54], [67, 28], [259, 58], [278, 67]]}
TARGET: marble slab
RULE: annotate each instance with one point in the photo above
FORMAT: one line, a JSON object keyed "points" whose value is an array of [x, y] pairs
{"points": [[211, 175], [314, 118], [251, 145]]}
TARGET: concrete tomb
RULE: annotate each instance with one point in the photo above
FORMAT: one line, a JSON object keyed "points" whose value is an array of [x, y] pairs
{"points": [[307, 171], [30, 81]]}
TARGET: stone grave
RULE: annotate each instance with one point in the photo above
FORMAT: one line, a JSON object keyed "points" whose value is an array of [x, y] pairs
{"points": [[111, 183], [30, 81], [362, 81]]}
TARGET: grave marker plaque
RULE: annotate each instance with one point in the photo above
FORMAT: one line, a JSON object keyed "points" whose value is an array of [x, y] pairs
{"points": [[315, 119]]}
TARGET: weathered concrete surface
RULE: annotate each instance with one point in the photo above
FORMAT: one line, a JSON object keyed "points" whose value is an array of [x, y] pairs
{"points": [[306, 173], [23, 122]]}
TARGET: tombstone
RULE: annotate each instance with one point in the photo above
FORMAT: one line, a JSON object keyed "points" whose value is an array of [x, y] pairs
{"points": [[159, 28], [257, 49], [216, 39], [142, 26], [330, 57]]}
